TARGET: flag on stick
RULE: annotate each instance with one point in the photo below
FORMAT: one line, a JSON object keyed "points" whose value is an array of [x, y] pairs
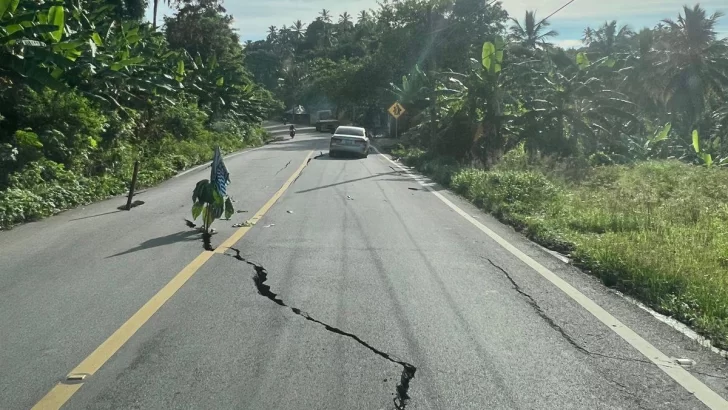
{"points": [[219, 176]]}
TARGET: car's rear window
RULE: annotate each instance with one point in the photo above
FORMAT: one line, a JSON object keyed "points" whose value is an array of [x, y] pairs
{"points": [[358, 132]]}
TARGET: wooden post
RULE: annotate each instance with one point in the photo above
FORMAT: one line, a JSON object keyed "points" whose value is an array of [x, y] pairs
{"points": [[133, 185]]}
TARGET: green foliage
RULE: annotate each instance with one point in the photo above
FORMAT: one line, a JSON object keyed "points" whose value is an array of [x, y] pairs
{"points": [[492, 57], [209, 204], [86, 89], [602, 101]]}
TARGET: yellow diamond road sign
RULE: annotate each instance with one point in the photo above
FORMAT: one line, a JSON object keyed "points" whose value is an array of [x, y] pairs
{"points": [[396, 110]]}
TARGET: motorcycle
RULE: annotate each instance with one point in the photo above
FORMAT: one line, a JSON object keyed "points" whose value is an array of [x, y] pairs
{"points": [[292, 133]]}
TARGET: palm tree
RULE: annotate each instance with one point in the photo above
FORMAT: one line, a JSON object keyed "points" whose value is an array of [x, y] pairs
{"points": [[696, 62], [298, 29], [272, 33], [363, 17], [345, 22], [588, 36], [325, 16], [643, 86], [607, 39], [531, 34], [693, 32]]}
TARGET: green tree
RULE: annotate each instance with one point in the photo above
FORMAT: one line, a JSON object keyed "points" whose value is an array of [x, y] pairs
{"points": [[696, 64], [531, 34]]}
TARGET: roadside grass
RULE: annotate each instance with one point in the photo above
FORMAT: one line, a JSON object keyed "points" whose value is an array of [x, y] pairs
{"points": [[657, 231]]}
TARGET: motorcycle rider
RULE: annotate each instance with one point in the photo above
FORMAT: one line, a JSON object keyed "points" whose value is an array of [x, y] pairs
{"points": [[292, 130]]}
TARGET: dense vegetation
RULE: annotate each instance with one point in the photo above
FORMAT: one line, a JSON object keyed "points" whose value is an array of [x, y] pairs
{"points": [[613, 152], [87, 88]]}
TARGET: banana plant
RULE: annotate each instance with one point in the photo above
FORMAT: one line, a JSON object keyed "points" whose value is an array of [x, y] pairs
{"points": [[30, 39], [491, 142], [210, 205], [706, 158]]}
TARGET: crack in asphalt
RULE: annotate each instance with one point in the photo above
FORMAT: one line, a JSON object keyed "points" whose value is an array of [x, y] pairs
{"points": [[540, 312], [582, 349], [284, 167], [567, 337], [304, 167], [408, 370]]}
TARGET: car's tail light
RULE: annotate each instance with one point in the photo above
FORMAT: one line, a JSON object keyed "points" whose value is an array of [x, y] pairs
{"points": [[337, 140]]}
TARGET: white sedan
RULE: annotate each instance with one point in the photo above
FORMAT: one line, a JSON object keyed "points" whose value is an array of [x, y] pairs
{"points": [[349, 139]]}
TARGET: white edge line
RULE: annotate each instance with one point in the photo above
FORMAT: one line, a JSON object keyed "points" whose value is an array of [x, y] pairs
{"points": [[694, 386]]}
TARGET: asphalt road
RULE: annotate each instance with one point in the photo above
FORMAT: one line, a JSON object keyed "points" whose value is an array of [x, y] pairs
{"points": [[356, 289]]}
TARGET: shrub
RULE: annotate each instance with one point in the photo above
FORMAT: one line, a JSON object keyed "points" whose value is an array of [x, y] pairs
{"points": [[68, 125]]}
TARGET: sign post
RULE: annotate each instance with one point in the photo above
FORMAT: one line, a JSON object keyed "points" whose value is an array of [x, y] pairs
{"points": [[396, 111]]}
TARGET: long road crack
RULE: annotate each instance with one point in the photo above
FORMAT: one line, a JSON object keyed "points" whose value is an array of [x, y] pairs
{"points": [[580, 348], [408, 370], [308, 162], [539, 311], [284, 167]]}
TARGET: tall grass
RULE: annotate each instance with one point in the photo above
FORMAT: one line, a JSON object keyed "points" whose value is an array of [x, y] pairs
{"points": [[655, 230]]}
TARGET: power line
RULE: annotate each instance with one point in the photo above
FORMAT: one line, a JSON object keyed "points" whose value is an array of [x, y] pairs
{"points": [[558, 10]]}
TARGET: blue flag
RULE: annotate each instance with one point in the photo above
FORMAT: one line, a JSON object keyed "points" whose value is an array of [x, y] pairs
{"points": [[219, 176]]}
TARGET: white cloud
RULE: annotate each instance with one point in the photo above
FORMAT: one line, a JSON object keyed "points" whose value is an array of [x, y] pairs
{"points": [[568, 43]]}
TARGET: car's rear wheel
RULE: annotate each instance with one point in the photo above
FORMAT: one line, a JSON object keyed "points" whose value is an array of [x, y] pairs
{"points": [[332, 154]]}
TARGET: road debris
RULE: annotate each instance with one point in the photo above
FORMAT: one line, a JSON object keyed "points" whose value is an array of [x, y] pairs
{"points": [[685, 362]]}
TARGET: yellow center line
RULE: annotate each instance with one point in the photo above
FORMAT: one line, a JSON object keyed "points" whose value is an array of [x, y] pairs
{"points": [[62, 392]]}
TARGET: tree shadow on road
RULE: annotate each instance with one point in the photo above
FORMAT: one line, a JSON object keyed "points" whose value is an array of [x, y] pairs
{"points": [[182, 236], [95, 216], [292, 145], [345, 182]]}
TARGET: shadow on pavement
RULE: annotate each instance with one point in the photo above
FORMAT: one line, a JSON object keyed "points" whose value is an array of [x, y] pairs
{"points": [[183, 236], [345, 182], [292, 145], [414, 185], [97, 215], [341, 157]]}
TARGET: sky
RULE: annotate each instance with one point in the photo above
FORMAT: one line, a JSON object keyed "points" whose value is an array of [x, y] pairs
{"points": [[253, 17]]}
